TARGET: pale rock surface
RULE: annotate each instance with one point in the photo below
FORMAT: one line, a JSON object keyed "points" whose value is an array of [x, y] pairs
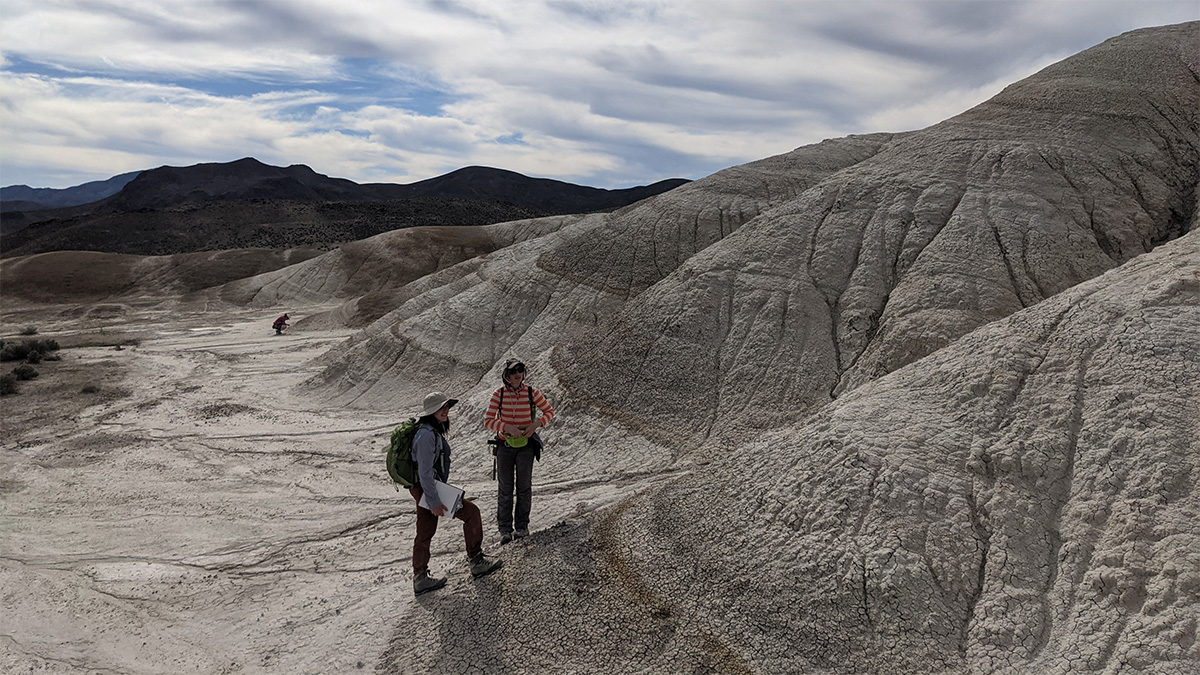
{"points": [[371, 276], [1024, 500], [85, 278], [194, 515]]}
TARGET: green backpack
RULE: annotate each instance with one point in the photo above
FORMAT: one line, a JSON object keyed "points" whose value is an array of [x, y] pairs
{"points": [[400, 463]]}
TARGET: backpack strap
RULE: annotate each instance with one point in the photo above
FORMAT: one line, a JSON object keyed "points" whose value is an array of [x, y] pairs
{"points": [[532, 410]]}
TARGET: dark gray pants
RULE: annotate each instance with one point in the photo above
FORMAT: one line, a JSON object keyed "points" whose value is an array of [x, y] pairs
{"points": [[514, 471]]}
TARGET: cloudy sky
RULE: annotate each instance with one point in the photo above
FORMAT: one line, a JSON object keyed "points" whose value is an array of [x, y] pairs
{"points": [[607, 93]]}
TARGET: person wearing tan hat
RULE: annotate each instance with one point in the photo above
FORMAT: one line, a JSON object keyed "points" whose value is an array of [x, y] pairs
{"points": [[431, 452]]}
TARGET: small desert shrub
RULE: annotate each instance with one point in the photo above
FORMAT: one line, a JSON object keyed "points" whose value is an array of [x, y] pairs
{"points": [[34, 357], [29, 330], [25, 372], [89, 389], [8, 384], [14, 351]]}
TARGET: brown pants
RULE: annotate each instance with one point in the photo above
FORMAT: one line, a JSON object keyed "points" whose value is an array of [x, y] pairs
{"points": [[427, 525]]}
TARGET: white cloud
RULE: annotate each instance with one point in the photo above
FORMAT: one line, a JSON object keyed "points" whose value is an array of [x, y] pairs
{"points": [[600, 92]]}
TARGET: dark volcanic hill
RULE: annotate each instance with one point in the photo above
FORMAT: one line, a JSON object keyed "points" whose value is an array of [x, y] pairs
{"points": [[248, 204], [259, 223], [251, 179], [241, 180], [478, 182]]}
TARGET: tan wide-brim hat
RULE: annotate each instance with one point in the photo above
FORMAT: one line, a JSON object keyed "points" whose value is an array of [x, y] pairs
{"points": [[434, 401]]}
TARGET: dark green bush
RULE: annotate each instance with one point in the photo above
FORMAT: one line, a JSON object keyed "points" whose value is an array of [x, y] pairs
{"points": [[34, 357], [29, 330], [8, 384], [14, 352], [89, 389], [25, 372]]}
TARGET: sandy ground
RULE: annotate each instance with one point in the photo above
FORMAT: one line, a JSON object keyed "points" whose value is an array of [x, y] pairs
{"points": [[197, 515]]}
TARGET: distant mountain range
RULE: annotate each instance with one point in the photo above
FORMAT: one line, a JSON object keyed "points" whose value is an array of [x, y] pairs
{"points": [[25, 198], [246, 204]]}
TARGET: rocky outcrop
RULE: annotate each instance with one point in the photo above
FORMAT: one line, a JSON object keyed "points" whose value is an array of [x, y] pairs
{"points": [[1021, 501]]}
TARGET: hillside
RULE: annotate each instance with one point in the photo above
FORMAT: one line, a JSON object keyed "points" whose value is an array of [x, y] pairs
{"points": [[259, 223], [23, 197], [1021, 501], [248, 204]]}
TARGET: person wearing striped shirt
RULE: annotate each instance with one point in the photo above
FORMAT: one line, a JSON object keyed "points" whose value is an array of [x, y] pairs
{"points": [[513, 415]]}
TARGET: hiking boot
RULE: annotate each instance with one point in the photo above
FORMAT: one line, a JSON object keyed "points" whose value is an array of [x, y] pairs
{"points": [[505, 538], [425, 583], [482, 565], [520, 533]]}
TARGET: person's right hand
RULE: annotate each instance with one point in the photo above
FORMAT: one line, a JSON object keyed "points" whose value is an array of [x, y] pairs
{"points": [[440, 511]]}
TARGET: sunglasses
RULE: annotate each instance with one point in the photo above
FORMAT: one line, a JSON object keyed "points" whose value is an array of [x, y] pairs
{"points": [[515, 368]]}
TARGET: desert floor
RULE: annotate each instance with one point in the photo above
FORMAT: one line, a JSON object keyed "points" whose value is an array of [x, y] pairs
{"points": [[197, 514]]}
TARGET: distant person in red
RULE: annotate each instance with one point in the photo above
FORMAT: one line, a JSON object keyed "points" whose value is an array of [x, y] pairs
{"points": [[280, 324], [512, 414]]}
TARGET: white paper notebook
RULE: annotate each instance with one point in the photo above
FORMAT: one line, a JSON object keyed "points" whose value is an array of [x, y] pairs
{"points": [[449, 495]]}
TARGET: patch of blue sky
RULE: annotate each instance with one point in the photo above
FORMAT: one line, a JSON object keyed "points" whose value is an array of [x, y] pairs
{"points": [[16, 64], [517, 138], [357, 83], [354, 89]]}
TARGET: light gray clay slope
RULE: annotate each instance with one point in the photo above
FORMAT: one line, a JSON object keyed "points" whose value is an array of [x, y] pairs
{"points": [[62, 277], [1060, 177], [371, 275], [1024, 500], [529, 297]]}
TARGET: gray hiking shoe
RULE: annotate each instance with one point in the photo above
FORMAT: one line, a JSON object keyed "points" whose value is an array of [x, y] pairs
{"points": [[521, 533], [505, 538], [482, 565], [425, 583]]}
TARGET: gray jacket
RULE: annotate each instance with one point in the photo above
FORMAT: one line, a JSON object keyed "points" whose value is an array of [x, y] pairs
{"points": [[432, 453]]}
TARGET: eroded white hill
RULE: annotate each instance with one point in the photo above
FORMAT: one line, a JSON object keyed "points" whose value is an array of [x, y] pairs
{"points": [[1022, 501]]}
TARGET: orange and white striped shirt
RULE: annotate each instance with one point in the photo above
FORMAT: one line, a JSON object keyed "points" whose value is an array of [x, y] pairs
{"points": [[516, 410]]}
